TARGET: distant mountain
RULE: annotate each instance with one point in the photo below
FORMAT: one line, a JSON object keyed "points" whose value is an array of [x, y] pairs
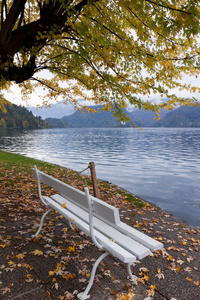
{"points": [[184, 116], [146, 118], [19, 117], [85, 119], [57, 110], [98, 119], [106, 119]]}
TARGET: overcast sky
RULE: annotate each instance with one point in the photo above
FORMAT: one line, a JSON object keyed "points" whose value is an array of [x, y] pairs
{"points": [[14, 95]]}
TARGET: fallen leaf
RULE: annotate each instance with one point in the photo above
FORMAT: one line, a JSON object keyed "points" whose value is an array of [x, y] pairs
{"points": [[37, 252], [5, 290], [160, 275], [190, 279], [178, 269], [170, 258], [68, 276], [20, 256], [71, 249]]}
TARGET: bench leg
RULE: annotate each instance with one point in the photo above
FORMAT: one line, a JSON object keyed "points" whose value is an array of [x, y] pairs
{"points": [[70, 224], [131, 276], [41, 222], [84, 295]]}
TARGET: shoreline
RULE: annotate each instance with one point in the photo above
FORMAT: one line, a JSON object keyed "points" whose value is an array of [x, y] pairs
{"points": [[102, 181], [26, 264], [175, 217], [167, 178]]}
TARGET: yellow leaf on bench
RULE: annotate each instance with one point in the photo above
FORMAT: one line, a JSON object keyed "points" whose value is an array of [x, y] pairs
{"points": [[64, 205]]}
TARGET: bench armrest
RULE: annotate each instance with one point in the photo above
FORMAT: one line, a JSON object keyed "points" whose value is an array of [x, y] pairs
{"points": [[37, 175], [91, 223]]}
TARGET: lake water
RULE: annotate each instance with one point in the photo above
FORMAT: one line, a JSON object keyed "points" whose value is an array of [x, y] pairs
{"points": [[161, 165]]}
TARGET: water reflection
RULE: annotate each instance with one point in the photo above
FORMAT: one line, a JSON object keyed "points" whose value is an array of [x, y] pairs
{"points": [[159, 165]]}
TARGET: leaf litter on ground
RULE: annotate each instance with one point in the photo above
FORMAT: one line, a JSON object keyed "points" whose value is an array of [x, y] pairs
{"points": [[67, 253]]}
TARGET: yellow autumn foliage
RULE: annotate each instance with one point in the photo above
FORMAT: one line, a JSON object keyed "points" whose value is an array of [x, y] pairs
{"points": [[109, 52]]}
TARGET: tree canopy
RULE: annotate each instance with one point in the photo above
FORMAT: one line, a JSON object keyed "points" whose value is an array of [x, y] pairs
{"points": [[117, 50]]}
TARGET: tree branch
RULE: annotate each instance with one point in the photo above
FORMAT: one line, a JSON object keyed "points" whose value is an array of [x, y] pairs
{"points": [[78, 7], [13, 15], [168, 7], [45, 84], [3, 7]]}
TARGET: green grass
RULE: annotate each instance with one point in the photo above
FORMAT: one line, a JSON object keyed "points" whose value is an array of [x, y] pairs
{"points": [[105, 185], [88, 181], [9, 160], [18, 163], [137, 202]]}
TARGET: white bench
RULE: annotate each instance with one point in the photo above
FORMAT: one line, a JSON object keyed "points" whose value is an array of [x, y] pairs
{"points": [[98, 220]]}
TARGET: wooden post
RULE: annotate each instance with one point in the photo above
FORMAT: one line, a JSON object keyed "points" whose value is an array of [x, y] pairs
{"points": [[94, 179]]}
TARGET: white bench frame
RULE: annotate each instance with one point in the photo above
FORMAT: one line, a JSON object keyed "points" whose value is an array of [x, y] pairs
{"points": [[98, 220]]}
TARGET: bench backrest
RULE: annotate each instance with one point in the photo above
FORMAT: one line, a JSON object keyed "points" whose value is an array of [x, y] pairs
{"points": [[101, 209]]}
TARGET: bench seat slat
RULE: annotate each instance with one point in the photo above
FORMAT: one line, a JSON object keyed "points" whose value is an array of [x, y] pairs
{"points": [[108, 245], [139, 236], [137, 249]]}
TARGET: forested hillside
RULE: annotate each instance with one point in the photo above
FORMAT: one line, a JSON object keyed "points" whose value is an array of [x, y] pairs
{"points": [[185, 116], [19, 117]]}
